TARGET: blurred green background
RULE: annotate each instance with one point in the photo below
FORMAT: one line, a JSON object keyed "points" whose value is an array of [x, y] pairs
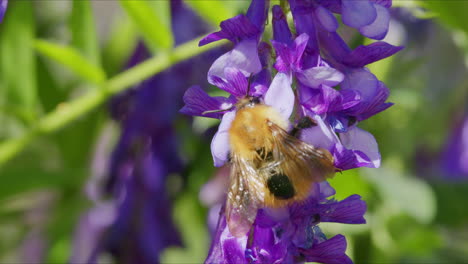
{"points": [[61, 61]]}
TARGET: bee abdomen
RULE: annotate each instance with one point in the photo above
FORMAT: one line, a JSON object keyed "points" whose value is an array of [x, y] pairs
{"points": [[281, 186]]}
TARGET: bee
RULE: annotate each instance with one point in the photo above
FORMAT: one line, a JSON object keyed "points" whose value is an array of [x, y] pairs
{"points": [[269, 166]]}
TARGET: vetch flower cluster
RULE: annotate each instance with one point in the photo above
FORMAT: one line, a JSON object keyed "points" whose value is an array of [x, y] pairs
{"points": [[314, 74]]}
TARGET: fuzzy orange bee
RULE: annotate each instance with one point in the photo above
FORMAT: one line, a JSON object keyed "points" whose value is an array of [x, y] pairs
{"points": [[269, 166]]}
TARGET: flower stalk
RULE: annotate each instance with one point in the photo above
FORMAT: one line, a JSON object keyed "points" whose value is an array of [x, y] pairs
{"points": [[68, 112]]}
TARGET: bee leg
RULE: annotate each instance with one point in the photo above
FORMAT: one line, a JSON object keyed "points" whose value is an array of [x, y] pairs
{"points": [[304, 122]]}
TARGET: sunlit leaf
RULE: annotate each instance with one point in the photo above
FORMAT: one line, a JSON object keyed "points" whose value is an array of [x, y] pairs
{"points": [[155, 30], [20, 180], [194, 233], [452, 13], [206, 9], [72, 60], [120, 45], [84, 37], [348, 183], [405, 193], [17, 61]]}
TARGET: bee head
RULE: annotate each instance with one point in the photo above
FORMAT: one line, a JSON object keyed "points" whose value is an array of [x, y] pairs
{"points": [[248, 101]]}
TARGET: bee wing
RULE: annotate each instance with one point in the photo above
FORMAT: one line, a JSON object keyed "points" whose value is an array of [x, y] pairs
{"points": [[244, 196], [301, 163]]}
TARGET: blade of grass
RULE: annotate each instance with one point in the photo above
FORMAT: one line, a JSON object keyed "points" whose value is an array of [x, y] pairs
{"points": [[66, 113]]}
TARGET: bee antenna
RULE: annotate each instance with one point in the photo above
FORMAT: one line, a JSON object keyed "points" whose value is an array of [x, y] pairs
{"points": [[217, 110]]}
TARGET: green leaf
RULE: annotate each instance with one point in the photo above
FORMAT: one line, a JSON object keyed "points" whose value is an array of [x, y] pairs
{"points": [[84, 37], [452, 13], [412, 238], [119, 46], [17, 59], [450, 200], [156, 31], [190, 220], [348, 183], [19, 180], [213, 11], [404, 193], [72, 59]]}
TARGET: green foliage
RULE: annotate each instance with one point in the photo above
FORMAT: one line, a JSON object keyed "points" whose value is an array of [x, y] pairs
{"points": [[84, 37], [72, 60], [51, 122], [348, 183], [18, 93], [154, 26], [403, 193], [452, 13], [205, 9]]}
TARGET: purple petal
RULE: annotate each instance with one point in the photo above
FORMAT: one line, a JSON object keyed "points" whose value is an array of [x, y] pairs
{"points": [[331, 251], [281, 32], [363, 81], [3, 8], [332, 5], [234, 249], [220, 144], [376, 105], [454, 157], [235, 83], [91, 227], [283, 57], [320, 136], [280, 95], [314, 99], [243, 57], [265, 248], [198, 101], [348, 211], [384, 3], [316, 76], [363, 55], [219, 35], [334, 46], [225, 249], [258, 13], [304, 22], [358, 13], [237, 79], [379, 28], [326, 18], [346, 100], [324, 190], [235, 29], [346, 159], [361, 140]]}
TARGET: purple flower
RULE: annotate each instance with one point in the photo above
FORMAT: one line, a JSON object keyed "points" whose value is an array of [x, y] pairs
{"points": [[370, 17], [454, 158], [197, 102], [332, 86], [245, 32], [361, 94], [3, 8], [290, 235]]}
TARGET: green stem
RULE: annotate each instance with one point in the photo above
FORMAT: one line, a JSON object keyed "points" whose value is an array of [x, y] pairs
{"points": [[66, 113]]}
